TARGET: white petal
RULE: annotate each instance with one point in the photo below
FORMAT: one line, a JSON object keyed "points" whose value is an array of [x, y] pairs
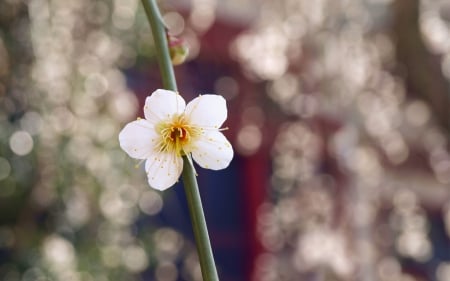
{"points": [[207, 111], [213, 151], [162, 104], [138, 138], [163, 170]]}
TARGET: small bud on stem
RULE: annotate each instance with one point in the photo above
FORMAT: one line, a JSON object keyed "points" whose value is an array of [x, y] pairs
{"points": [[178, 49]]}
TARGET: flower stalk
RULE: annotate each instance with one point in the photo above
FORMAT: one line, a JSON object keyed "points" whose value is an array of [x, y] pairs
{"points": [[197, 216], [161, 44]]}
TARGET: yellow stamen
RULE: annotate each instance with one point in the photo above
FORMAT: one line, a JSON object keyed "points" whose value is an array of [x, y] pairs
{"points": [[177, 135]]}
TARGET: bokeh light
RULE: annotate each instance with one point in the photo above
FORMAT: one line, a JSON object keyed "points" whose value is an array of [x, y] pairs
{"points": [[338, 114]]}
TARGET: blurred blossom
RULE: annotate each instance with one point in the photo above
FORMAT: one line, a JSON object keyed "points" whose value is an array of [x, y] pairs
{"points": [[203, 13], [123, 15], [249, 140], [297, 151], [284, 89], [97, 12], [175, 23], [123, 106], [415, 245], [115, 210], [31, 122], [353, 138], [443, 272], [417, 113], [150, 202], [191, 267], [271, 62], [434, 28], [135, 258], [59, 253], [323, 248], [63, 101], [168, 243], [77, 212], [96, 85], [21, 143]]}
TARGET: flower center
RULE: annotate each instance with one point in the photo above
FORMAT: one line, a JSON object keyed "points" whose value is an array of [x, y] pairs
{"points": [[177, 135]]}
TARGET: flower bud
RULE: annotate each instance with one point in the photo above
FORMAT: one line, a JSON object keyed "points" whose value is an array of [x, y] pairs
{"points": [[178, 49]]}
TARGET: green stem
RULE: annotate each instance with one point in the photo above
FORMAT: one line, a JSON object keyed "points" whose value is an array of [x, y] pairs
{"points": [[197, 216], [206, 257], [161, 44]]}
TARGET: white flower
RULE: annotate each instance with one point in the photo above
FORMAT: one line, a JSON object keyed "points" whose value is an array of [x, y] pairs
{"points": [[172, 129]]}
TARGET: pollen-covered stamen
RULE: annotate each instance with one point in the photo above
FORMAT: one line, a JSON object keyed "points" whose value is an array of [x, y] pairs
{"points": [[177, 135]]}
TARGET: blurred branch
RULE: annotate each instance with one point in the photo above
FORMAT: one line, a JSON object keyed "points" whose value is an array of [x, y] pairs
{"points": [[423, 72]]}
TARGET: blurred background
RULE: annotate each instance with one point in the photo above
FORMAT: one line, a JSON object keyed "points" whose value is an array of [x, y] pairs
{"points": [[339, 114]]}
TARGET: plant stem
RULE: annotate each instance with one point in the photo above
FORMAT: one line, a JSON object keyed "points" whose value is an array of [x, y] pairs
{"points": [[204, 250], [161, 44], [197, 216]]}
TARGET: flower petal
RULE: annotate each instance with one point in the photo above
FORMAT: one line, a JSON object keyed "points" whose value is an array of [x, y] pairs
{"points": [[213, 151], [162, 104], [207, 111], [138, 138], [163, 170]]}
